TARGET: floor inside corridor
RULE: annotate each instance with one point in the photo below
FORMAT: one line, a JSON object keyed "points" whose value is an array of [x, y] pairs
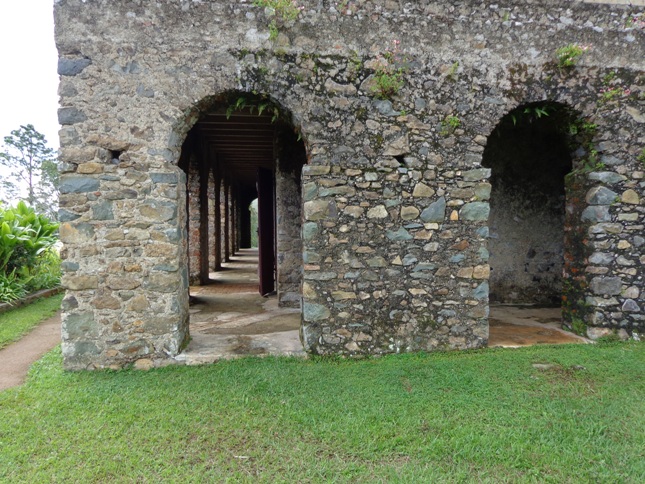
{"points": [[229, 318]]}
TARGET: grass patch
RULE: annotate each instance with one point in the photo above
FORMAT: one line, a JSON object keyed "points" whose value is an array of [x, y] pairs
{"points": [[485, 416], [17, 322]]}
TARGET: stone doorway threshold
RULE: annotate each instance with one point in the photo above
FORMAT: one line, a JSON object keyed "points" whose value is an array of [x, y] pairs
{"points": [[229, 318], [512, 326]]}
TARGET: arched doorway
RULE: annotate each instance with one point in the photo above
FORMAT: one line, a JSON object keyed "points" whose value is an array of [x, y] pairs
{"points": [[529, 154], [243, 147]]}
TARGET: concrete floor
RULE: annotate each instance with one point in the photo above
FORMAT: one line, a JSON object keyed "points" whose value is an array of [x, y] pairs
{"points": [[514, 326], [229, 318]]}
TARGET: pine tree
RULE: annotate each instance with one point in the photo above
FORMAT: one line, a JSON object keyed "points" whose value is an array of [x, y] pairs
{"points": [[33, 165]]}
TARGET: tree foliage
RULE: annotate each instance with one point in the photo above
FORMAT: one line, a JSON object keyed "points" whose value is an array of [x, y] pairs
{"points": [[32, 164]]}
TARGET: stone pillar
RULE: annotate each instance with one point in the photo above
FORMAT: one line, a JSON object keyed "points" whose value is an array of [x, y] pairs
{"points": [[212, 233], [124, 259], [222, 210], [194, 219], [227, 220], [289, 261], [218, 218], [203, 217], [233, 240]]}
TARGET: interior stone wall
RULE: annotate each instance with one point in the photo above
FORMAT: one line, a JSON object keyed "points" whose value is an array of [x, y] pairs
{"points": [[395, 198]]}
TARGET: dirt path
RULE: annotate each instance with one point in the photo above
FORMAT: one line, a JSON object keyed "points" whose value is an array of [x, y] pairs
{"points": [[16, 358]]}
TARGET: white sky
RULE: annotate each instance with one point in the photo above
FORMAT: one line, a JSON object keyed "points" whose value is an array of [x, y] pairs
{"points": [[28, 80]]}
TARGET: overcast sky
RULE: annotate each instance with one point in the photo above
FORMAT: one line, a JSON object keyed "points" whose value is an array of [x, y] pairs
{"points": [[28, 79]]}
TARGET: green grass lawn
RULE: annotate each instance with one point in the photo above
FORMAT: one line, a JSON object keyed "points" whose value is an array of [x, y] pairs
{"points": [[445, 417], [17, 322]]}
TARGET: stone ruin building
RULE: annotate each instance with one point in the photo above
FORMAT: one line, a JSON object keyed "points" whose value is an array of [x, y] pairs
{"points": [[413, 161]]}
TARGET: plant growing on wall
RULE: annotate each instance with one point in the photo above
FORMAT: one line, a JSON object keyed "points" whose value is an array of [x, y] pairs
{"points": [[449, 125], [569, 55], [641, 157], [242, 103], [281, 11], [344, 7], [612, 89], [261, 105], [585, 130], [635, 22], [389, 71]]}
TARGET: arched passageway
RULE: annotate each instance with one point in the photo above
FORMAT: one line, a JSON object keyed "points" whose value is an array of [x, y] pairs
{"points": [[242, 149], [529, 154]]}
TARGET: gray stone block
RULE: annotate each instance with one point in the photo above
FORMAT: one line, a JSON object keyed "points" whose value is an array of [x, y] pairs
{"points": [[78, 184], [398, 235], [68, 116], [596, 213], [601, 196], [435, 212], [72, 67], [475, 211], [169, 178], [609, 286]]}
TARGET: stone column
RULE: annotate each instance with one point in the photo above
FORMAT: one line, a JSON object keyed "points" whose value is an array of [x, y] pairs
{"points": [[203, 217], [212, 233], [124, 259], [233, 235], [222, 209], [289, 261], [227, 218], [194, 221], [218, 218]]}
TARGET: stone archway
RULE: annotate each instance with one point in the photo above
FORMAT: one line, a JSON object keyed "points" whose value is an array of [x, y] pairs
{"points": [[531, 157], [242, 147]]}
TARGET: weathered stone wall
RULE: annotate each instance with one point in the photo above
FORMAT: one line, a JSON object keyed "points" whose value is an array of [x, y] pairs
{"points": [[395, 200]]}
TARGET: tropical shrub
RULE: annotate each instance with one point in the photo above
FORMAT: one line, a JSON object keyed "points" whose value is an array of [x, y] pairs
{"points": [[24, 235], [11, 287], [27, 262], [46, 273]]}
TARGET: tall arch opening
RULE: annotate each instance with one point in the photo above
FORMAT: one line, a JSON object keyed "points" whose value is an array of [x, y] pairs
{"points": [[243, 148], [529, 154]]}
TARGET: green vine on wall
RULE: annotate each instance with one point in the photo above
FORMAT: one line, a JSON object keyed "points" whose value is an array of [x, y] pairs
{"points": [[584, 130], [261, 105], [242, 103]]}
